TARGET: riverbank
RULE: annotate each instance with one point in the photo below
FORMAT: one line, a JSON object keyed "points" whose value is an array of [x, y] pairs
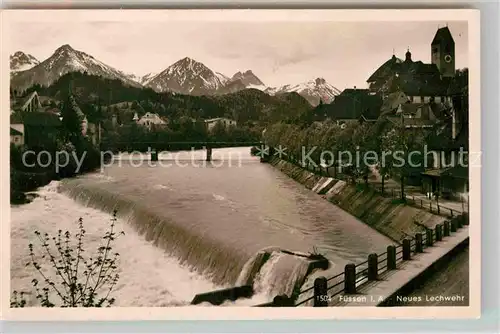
{"points": [[29, 172], [392, 218]]}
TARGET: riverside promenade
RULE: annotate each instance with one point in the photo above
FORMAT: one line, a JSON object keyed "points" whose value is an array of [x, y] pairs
{"points": [[392, 286]]}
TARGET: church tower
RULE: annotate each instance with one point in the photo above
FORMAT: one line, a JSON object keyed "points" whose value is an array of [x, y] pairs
{"points": [[443, 52]]}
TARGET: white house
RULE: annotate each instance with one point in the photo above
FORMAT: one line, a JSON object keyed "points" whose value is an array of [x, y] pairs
{"points": [[210, 123], [149, 119]]}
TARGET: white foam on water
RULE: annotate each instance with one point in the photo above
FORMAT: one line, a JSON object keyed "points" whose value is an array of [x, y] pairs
{"points": [[161, 187], [280, 275], [148, 276], [218, 197]]}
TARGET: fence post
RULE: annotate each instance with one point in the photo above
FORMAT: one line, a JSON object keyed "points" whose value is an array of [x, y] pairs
{"points": [[406, 249], [460, 222], [453, 225], [372, 267], [320, 292], [429, 237], [446, 228], [421, 203], [350, 278], [391, 257], [154, 155], [419, 247], [466, 219], [451, 213], [430, 207], [439, 232], [438, 208]]}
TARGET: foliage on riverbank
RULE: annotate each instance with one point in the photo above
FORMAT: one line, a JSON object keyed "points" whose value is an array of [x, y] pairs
{"points": [[356, 147], [182, 134], [66, 277]]}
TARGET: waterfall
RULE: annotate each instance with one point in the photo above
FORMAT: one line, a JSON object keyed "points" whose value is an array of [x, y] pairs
{"points": [[273, 272], [253, 265], [281, 274], [220, 263]]}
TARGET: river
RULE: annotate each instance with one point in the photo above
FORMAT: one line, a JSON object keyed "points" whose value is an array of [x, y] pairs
{"points": [[190, 225]]}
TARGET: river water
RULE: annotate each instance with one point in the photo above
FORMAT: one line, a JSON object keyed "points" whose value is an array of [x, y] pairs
{"points": [[190, 226]]}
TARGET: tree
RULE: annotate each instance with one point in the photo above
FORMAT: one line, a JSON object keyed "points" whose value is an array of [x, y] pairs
{"points": [[218, 132], [402, 143], [74, 280], [71, 121]]}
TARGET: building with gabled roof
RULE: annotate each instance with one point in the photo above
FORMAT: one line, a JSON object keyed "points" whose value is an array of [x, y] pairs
{"points": [[210, 123], [150, 120], [30, 102], [39, 129], [416, 79]]}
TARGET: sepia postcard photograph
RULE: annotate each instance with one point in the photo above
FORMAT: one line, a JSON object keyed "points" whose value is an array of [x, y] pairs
{"points": [[234, 164]]}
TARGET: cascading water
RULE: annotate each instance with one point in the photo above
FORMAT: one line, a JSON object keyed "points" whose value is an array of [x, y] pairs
{"points": [[281, 274], [273, 272], [148, 276], [219, 262]]}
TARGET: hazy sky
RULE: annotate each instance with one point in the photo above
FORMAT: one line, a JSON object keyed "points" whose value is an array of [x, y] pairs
{"points": [[344, 53]]}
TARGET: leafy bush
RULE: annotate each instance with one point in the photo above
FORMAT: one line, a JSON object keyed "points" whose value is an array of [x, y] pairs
{"points": [[74, 279]]}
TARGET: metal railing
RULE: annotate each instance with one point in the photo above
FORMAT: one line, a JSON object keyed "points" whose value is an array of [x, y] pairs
{"points": [[355, 275]]}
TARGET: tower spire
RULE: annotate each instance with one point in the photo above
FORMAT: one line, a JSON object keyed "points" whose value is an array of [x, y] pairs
{"points": [[408, 55]]}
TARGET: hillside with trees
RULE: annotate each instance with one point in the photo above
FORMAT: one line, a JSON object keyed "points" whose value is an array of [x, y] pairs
{"points": [[249, 105]]}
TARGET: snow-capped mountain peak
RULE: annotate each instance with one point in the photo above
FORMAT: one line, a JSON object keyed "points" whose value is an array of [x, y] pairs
{"points": [[65, 48], [66, 59], [313, 90], [21, 61], [188, 76], [247, 78], [141, 79]]}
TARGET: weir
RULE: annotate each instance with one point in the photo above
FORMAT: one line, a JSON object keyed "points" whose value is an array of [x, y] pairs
{"points": [[269, 272], [215, 221], [219, 262]]}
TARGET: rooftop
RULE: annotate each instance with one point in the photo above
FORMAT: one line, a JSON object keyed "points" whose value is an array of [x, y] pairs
{"points": [[215, 119], [352, 104], [14, 132], [443, 34], [35, 119]]}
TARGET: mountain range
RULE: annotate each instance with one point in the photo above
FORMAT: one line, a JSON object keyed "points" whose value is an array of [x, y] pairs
{"points": [[21, 61], [186, 76]]}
